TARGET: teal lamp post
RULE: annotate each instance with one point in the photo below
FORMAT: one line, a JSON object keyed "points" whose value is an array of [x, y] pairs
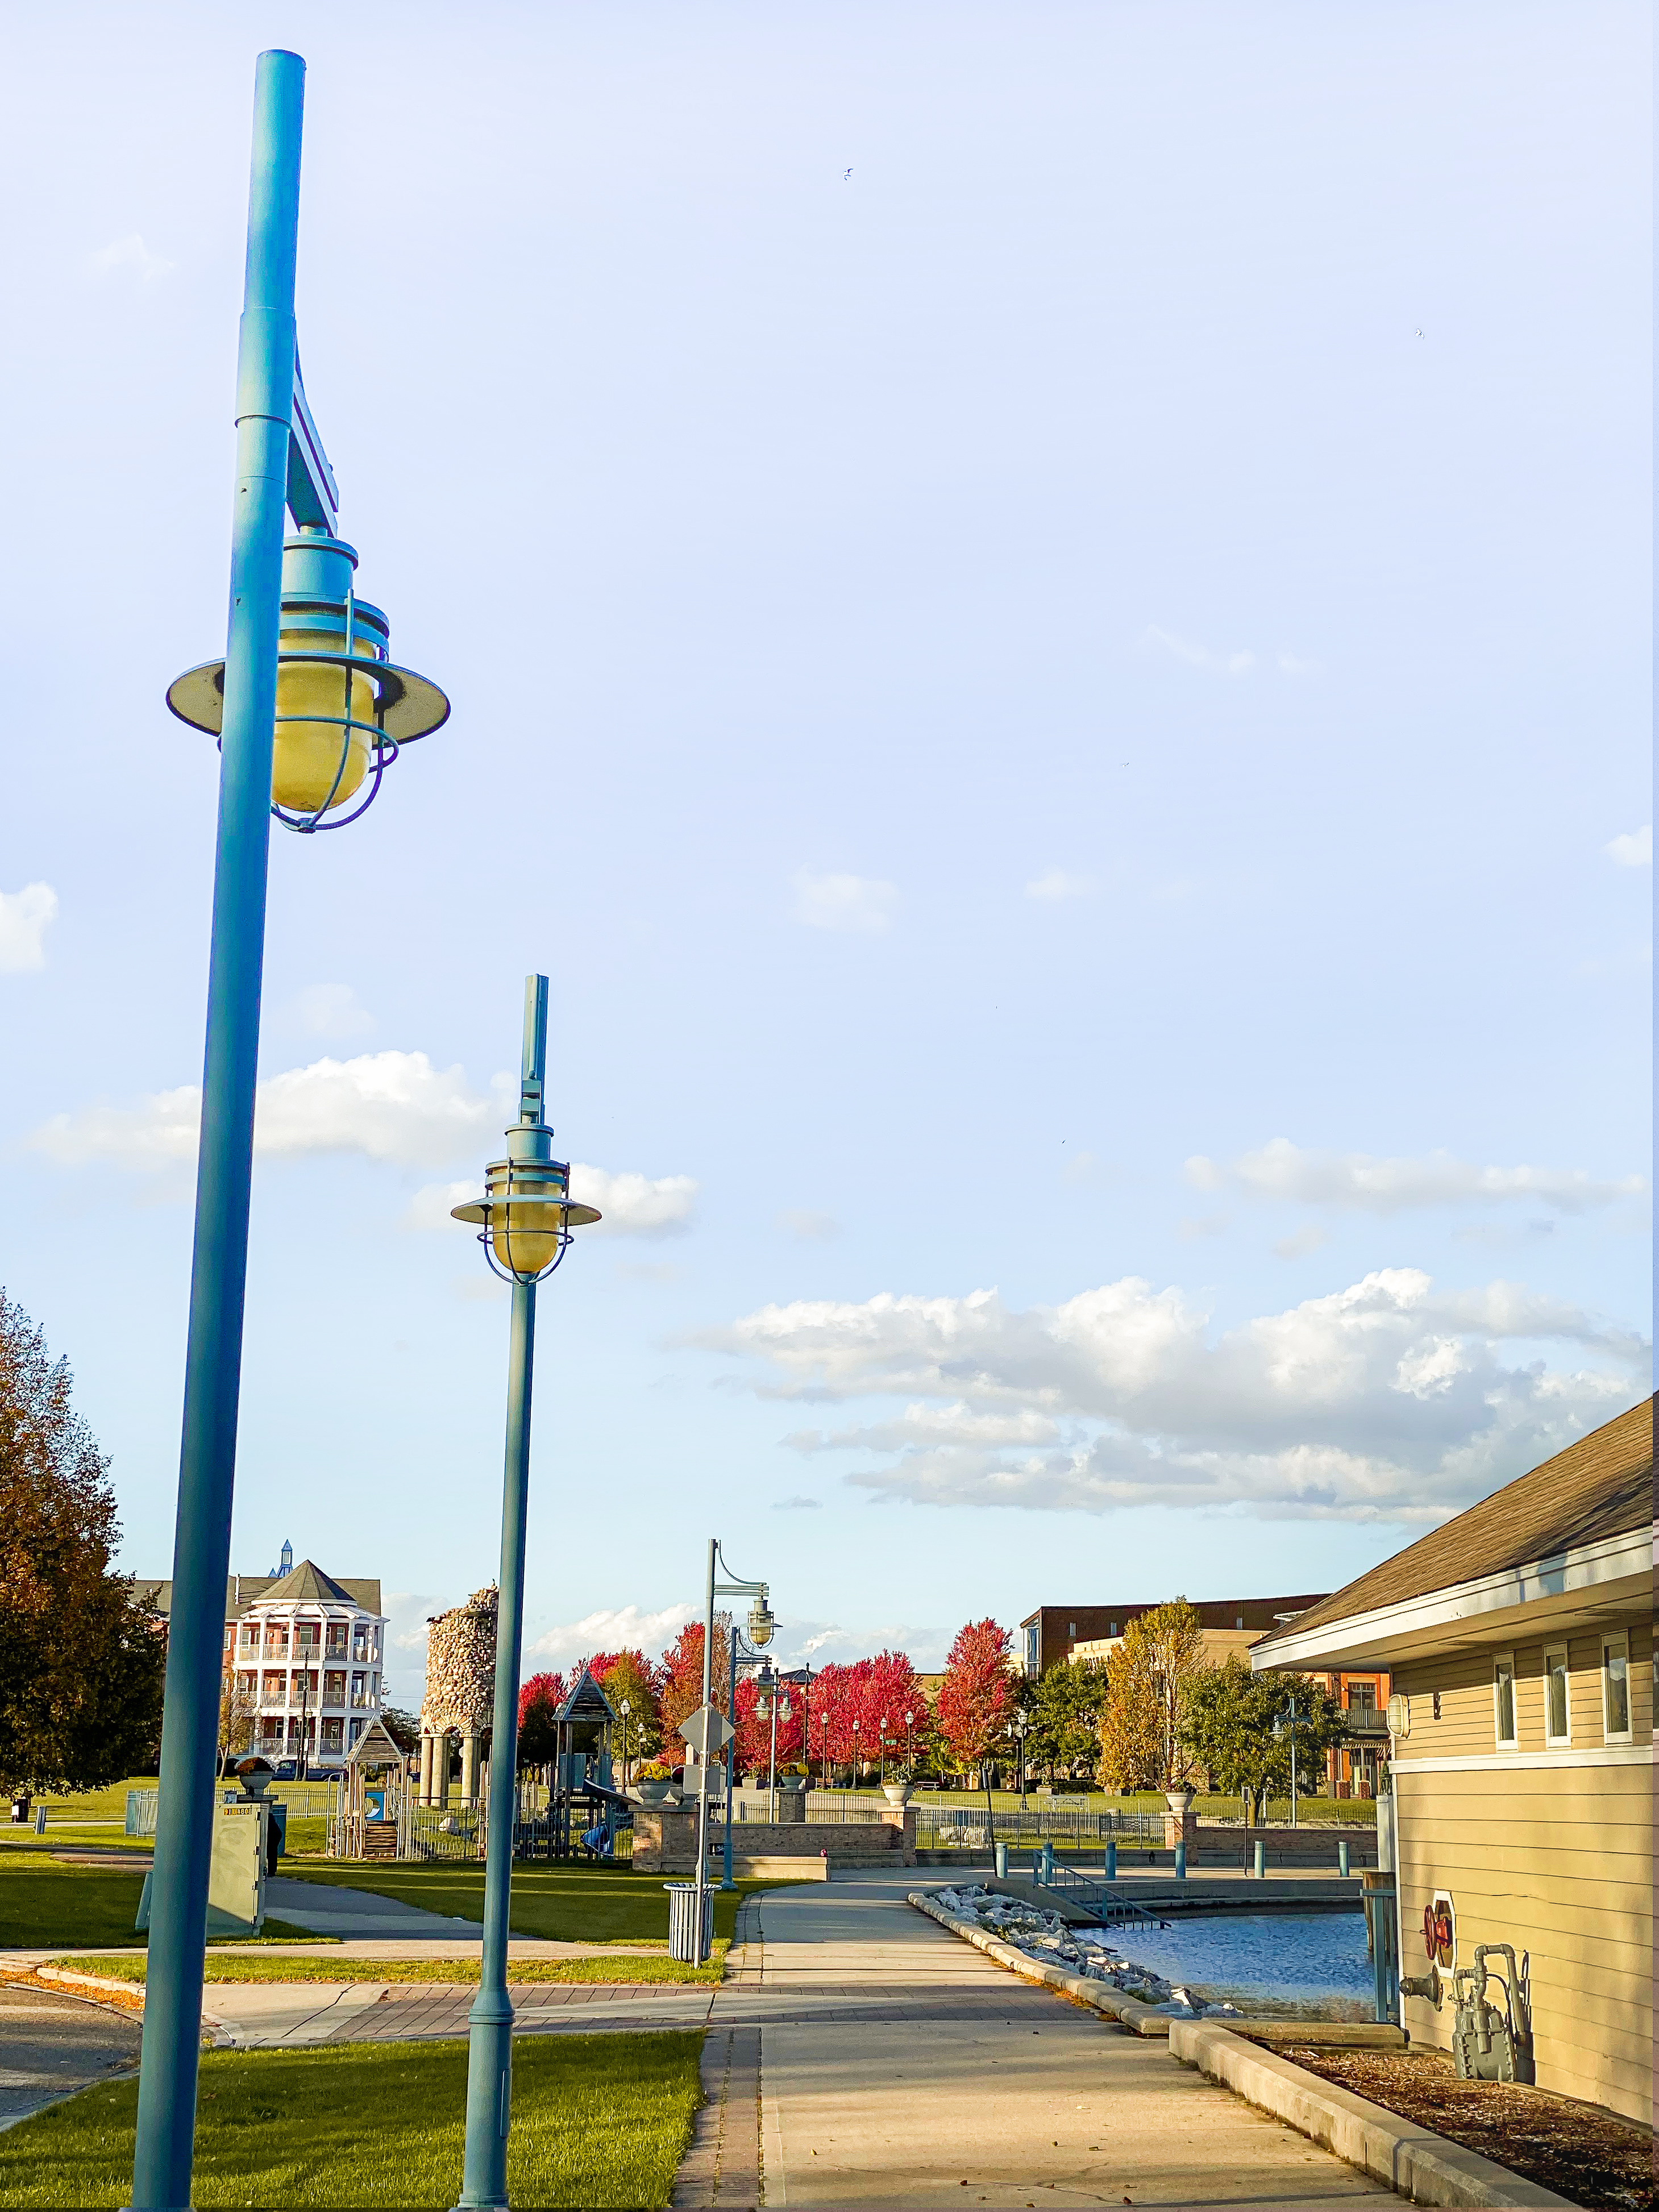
{"points": [[308, 708], [762, 1624], [524, 1219]]}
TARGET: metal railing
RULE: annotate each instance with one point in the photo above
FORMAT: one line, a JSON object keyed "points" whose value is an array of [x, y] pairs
{"points": [[958, 1825]]}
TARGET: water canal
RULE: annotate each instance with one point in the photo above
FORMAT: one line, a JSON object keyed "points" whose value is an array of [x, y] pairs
{"points": [[1305, 1964]]}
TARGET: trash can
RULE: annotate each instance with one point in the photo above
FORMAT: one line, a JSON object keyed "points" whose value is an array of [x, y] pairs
{"points": [[682, 1930], [999, 1856], [20, 1807]]}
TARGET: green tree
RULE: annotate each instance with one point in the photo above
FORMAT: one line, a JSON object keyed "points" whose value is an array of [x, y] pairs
{"points": [[1149, 1678], [82, 1661], [1066, 1705], [1236, 1725], [404, 1728]]}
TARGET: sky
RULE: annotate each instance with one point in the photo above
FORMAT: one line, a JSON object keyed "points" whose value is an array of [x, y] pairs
{"points": [[1047, 610]]}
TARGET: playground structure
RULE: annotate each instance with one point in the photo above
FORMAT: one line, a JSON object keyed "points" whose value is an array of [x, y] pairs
{"points": [[566, 1809]]}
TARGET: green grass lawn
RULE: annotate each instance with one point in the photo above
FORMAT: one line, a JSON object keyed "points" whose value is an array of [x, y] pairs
{"points": [[573, 1903], [596, 2120], [234, 1967], [42, 1902]]}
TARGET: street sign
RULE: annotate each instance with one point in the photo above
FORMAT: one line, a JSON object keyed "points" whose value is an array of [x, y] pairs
{"points": [[707, 1731]]}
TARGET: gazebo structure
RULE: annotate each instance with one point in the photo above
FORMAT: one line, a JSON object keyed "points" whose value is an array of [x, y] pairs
{"points": [[371, 1798]]}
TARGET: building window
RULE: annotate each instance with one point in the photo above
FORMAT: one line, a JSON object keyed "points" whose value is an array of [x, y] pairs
{"points": [[1503, 1698], [1111, 1628], [1239, 1622], [1362, 1697], [1071, 1628], [1615, 1689], [1032, 1654], [1557, 1718]]}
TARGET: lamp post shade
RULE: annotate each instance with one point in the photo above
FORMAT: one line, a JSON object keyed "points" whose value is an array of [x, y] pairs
{"points": [[525, 1215], [344, 707]]}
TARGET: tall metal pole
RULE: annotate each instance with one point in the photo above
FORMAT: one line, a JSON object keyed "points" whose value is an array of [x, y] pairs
{"points": [[702, 1757], [489, 2023], [726, 1881], [213, 1357]]}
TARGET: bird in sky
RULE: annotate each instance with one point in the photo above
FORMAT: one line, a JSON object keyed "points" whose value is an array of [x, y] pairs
{"points": [[1419, 333], [848, 173]]}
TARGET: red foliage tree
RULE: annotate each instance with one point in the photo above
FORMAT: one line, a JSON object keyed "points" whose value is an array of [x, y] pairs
{"points": [[682, 1681], [754, 1744], [539, 1700], [977, 1697]]}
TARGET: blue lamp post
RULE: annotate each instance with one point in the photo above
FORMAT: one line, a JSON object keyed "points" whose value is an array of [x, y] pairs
{"points": [[761, 1625], [308, 708], [525, 1219]]}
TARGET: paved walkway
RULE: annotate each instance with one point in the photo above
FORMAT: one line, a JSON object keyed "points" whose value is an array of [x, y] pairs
{"points": [[858, 2054], [898, 2065], [51, 2046]]}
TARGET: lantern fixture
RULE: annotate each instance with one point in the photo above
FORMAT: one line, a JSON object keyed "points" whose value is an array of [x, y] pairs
{"points": [[762, 1623], [527, 1213], [344, 706]]}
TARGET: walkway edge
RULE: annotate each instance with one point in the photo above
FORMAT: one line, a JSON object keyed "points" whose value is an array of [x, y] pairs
{"points": [[1426, 2168], [1138, 2019]]}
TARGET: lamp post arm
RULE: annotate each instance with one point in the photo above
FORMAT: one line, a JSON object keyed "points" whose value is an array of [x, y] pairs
{"points": [[313, 497], [207, 1467]]}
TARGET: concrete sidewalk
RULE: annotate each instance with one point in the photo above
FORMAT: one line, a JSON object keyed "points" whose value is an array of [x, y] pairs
{"points": [[899, 2066]]}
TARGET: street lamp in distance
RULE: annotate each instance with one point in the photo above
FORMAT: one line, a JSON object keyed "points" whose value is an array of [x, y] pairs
{"points": [[524, 1221]]}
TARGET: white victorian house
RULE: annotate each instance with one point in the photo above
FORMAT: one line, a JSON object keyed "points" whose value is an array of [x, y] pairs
{"points": [[306, 1655]]}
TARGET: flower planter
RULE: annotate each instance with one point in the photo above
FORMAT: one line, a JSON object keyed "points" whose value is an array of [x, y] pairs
{"points": [[897, 1793], [654, 1793]]}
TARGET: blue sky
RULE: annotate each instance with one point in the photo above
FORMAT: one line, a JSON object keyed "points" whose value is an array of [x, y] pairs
{"points": [[1048, 613]]}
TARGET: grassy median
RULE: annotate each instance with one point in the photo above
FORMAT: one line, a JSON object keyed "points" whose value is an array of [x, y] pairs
{"points": [[596, 2120], [239, 1967], [572, 1903]]}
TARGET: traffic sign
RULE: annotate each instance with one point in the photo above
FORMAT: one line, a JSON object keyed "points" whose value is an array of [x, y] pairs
{"points": [[707, 1731]]}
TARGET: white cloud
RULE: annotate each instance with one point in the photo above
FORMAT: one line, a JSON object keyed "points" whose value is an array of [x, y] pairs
{"points": [[24, 917], [811, 1228], [632, 1204], [796, 1504], [613, 1628], [859, 903], [1057, 884], [389, 1106], [1290, 666], [635, 1205], [1282, 1171], [1389, 1400], [333, 1010], [1199, 656], [1634, 849], [392, 1106], [130, 253]]}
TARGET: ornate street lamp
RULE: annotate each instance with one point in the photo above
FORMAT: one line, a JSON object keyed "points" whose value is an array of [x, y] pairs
{"points": [[761, 1627], [624, 1709], [523, 1220], [307, 705]]}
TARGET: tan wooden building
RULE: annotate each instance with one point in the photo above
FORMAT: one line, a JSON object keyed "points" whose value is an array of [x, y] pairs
{"points": [[1520, 1639]]}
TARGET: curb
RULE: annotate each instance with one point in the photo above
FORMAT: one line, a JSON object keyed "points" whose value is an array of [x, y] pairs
{"points": [[1426, 2168], [123, 1996], [1138, 2019]]}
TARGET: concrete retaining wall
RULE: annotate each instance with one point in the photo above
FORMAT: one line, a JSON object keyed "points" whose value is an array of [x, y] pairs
{"points": [[665, 1839]]}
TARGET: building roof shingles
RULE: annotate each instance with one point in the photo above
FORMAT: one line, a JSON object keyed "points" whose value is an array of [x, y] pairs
{"points": [[1600, 1486]]}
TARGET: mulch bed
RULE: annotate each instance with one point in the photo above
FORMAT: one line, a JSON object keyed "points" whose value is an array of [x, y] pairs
{"points": [[1605, 2165]]}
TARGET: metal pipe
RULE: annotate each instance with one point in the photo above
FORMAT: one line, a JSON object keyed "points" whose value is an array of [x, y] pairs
{"points": [[702, 1757], [726, 1881], [489, 2023], [213, 1357]]}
